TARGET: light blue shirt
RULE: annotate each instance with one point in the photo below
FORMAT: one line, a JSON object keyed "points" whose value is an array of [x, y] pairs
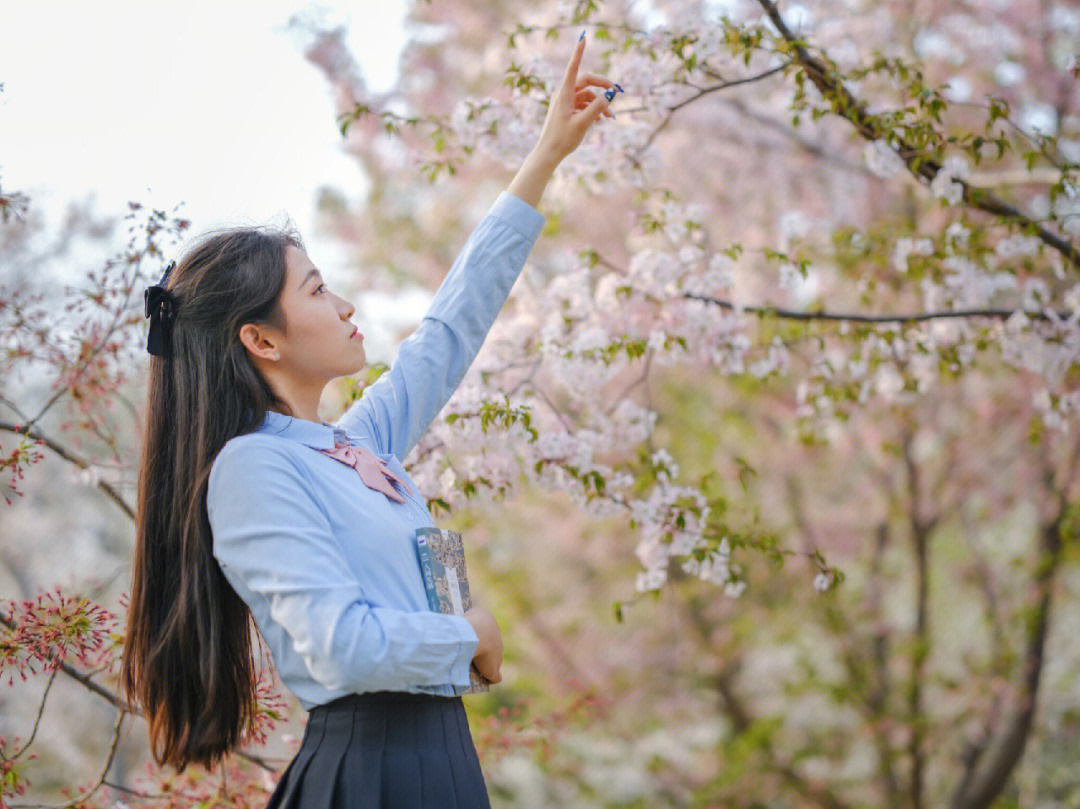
{"points": [[328, 566]]}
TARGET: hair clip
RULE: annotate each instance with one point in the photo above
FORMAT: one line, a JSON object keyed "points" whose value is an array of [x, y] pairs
{"points": [[159, 304]]}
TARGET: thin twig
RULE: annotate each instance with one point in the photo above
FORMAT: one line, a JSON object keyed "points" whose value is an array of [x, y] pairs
{"points": [[68, 455], [702, 91], [806, 145], [118, 315], [37, 719], [114, 742]]}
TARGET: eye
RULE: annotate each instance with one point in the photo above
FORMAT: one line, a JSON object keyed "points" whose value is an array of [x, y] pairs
{"points": [[320, 286]]}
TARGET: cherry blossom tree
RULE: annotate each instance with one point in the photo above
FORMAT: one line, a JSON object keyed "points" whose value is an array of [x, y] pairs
{"points": [[931, 263], [791, 381]]}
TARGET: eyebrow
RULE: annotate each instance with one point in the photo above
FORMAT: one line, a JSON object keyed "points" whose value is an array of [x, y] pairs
{"points": [[311, 273]]}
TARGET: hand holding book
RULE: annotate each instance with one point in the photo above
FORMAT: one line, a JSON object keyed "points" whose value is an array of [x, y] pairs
{"points": [[442, 563], [489, 650]]}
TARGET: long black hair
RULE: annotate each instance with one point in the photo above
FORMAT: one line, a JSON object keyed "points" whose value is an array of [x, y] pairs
{"points": [[187, 657]]}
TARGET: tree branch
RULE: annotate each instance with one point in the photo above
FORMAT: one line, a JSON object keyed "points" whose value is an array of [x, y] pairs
{"points": [[999, 655], [792, 314], [846, 106], [920, 535], [879, 688], [701, 91], [67, 455], [997, 764]]}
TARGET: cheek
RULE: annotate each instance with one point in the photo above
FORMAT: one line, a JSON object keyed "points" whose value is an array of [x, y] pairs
{"points": [[316, 327], [308, 325]]}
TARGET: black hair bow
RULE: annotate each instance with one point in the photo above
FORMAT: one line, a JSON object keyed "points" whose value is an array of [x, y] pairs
{"points": [[160, 306]]}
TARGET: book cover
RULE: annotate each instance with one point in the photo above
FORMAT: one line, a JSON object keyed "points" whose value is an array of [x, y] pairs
{"points": [[442, 562]]}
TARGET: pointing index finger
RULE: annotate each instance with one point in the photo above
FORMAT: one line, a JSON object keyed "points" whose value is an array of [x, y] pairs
{"points": [[570, 79]]}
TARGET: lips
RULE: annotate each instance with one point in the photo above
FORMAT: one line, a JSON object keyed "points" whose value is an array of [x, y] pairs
{"points": [[355, 331]]}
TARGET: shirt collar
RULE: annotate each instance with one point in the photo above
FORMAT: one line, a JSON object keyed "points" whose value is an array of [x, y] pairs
{"points": [[319, 436]]}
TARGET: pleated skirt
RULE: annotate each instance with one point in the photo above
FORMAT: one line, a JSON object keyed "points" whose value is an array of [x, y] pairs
{"points": [[384, 750]]}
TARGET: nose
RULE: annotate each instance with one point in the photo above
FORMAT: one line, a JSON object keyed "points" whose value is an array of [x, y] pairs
{"points": [[348, 310]]}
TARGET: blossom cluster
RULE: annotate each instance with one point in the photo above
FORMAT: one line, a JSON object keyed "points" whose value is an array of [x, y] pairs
{"points": [[42, 633], [574, 343], [25, 454]]}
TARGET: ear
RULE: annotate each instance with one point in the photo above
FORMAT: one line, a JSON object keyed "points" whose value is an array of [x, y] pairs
{"points": [[259, 341]]}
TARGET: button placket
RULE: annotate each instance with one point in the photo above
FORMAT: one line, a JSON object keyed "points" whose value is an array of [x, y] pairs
{"points": [[419, 513]]}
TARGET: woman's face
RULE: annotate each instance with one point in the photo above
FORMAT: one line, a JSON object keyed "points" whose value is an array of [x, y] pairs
{"points": [[321, 343]]}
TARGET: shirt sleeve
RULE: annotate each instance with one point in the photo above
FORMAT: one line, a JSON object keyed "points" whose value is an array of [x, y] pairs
{"points": [[274, 544], [397, 409]]}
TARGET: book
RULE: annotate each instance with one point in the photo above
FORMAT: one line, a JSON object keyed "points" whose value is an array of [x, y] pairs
{"points": [[442, 562]]}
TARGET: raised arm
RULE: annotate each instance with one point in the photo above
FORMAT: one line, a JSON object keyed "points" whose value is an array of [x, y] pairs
{"points": [[431, 363], [397, 409]]}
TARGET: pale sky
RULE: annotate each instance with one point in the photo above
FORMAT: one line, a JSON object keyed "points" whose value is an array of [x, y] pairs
{"points": [[207, 103]]}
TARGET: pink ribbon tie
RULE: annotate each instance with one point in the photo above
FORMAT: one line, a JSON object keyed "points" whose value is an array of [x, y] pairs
{"points": [[372, 468]]}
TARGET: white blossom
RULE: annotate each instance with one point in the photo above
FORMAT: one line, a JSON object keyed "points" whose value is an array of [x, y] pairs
{"points": [[447, 480], [590, 338], [930, 43], [882, 159], [1008, 73], [959, 89], [652, 579], [662, 459], [957, 235], [888, 382], [1039, 116], [907, 246], [721, 270], [793, 225], [943, 185], [1017, 245], [734, 589]]}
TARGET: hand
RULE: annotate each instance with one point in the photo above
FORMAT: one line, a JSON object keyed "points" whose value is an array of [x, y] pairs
{"points": [[573, 109], [489, 651], [571, 112]]}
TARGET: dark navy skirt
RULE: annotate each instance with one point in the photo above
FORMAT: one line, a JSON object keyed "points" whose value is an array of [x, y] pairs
{"points": [[384, 750]]}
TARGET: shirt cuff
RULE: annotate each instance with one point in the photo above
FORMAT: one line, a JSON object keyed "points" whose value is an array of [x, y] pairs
{"points": [[459, 671], [520, 215]]}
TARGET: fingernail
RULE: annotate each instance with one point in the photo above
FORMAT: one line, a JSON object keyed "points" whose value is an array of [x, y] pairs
{"points": [[617, 87], [609, 94], [581, 37]]}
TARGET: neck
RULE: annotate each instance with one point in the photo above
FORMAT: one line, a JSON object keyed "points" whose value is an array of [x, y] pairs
{"points": [[302, 401]]}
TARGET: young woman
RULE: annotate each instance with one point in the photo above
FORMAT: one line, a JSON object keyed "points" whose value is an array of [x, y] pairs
{"points": [[252, 508]]}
